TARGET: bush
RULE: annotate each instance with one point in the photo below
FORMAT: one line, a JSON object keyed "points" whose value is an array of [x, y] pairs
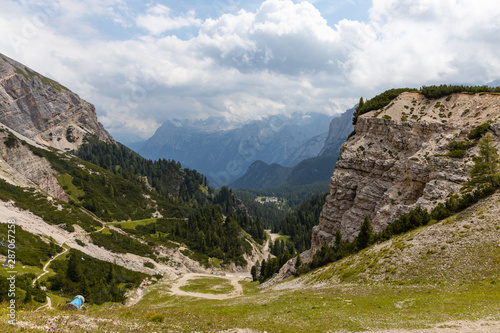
{"points": [[121, 244], [458, 149], [445, 90], [98, 281], [10, 141], [155, 317], [479, 131]]}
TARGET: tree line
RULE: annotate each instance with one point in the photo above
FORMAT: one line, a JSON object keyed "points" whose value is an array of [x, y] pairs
{"points": [[298, 225]]}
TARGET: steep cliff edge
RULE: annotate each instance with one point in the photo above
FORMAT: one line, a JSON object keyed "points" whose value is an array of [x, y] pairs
{"points": [[398, 160], [339, 130], [43, 110]]}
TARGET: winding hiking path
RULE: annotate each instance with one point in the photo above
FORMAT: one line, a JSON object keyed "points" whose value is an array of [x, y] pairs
{"points": [[238, 289], [48, 305], [45, 271], [265, 249]]}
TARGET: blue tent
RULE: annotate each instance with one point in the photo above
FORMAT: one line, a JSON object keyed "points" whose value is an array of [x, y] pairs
{"points": [[76, 304]]}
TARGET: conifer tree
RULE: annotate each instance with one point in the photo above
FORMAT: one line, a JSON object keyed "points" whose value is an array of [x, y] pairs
{"points": [[365, 234], [361, 102], [486, 164], [338, 240], [27, 297], [253, 271], [298, 263], [74, 270], [84, 288]]}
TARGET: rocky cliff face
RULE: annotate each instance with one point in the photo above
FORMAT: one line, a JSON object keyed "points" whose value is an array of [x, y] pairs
{"points": [[44, 110], [21, 167], [397, 161], [339, 130]]}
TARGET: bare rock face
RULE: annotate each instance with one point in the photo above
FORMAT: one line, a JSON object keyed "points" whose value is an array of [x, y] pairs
{"points": [[397, 161], [21, 167], [340, 128], [43, 110]]}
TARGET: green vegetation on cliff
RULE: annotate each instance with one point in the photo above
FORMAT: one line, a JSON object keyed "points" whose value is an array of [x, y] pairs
{"points": [[431, 92]]}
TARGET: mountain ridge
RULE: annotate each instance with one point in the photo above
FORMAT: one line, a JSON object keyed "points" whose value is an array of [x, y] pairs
{"points": [[263, 176], [224, 156], [44, 110]]}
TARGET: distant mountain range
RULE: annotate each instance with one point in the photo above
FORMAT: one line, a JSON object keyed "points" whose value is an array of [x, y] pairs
{"points": [[224, 155], [263, 176]]}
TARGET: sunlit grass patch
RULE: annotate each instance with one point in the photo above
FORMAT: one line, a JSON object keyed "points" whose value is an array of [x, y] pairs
{"points": [[208, 286], [132, 224]]}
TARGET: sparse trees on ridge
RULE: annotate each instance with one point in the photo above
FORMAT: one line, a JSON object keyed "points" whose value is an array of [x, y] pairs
{"points": [[486, 163]]}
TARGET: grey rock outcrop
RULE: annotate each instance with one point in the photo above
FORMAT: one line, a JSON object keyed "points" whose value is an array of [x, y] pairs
{"points": [[339, 130], [42, 109], [397, 161], [21, 167]]}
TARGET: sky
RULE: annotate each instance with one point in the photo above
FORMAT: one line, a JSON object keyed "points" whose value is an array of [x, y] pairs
{"points": [[142, 63]]}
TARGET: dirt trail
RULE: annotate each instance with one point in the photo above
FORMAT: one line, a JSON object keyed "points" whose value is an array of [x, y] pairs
{"points": [[45, 271], [238, 290], [265, 249], [47, 305]]}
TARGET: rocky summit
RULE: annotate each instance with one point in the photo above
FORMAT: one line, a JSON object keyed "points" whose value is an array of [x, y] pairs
{"points": [[44, 110], [402, 157]]}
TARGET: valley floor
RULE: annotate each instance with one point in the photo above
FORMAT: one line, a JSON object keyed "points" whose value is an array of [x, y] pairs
{"points": [[442, 278], [382, 307]]}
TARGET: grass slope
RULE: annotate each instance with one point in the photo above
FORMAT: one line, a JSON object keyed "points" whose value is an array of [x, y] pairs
{"points": [[438, 277]]}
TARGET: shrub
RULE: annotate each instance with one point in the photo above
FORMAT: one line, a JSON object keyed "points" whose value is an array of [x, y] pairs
{"points": [[10, 141], [479, 131], [155, 317]]}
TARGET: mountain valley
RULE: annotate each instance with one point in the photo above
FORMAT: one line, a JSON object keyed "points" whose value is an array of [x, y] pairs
{"points": [[406, 240]]}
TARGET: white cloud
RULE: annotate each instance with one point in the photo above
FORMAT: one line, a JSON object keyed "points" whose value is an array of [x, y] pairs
{"points": [[158, 19], [281, 36], [281, 58], [422, 42]]}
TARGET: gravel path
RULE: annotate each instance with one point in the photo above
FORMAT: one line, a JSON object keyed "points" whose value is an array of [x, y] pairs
{"points": [[265, 249], [45, 271]]}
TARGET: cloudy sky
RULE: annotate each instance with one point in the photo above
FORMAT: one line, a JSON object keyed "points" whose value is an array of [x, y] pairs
{"points": [[142, 63]]}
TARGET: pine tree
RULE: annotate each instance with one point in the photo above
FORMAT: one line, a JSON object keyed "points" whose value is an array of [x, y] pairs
{"points": [[253, 271], [298, 263], [486, 164], [365, 235], [27, 297], [74, 270], [84, 289], [338, 240], [361, 103]]}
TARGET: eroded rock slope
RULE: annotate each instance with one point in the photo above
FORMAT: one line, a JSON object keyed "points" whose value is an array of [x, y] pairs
{"points": [[397, 161], [42, 109]]}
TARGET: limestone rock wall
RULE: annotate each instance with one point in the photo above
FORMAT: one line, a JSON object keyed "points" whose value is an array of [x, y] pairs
{"points": [[43, 110], [396, 161], [21, 167]]}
